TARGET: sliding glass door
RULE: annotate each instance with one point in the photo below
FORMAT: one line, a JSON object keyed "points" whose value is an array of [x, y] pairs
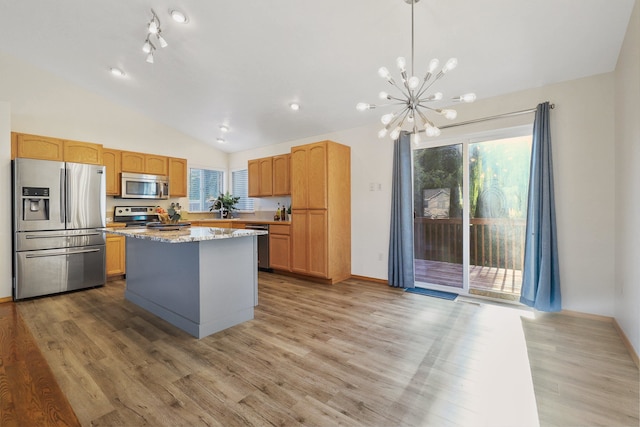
{"points": [[437, 201], [470, 203]]}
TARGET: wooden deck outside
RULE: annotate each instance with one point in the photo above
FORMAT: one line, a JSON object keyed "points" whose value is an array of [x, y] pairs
{"points": [[490, 281]]}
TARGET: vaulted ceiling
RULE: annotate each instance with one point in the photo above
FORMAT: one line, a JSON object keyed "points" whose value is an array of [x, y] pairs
{"points": [[241, 63]]}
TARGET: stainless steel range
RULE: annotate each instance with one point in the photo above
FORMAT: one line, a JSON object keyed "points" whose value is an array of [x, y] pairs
{"points": [[135, 216]]}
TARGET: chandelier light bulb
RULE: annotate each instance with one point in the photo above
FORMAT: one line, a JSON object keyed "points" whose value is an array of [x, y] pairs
{"points": [[433, 64], [224, 129], [383, 95], [416, 137], [413, 82], [401, 63], [382, 133], [384, 73], [449, 114], [387, 118], [451, 64], [410, 118], [150, 57], [431, 130], [395, 133], [362, 106]]}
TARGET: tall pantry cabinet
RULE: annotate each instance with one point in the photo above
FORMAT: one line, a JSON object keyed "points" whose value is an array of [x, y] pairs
{"points": [[321, 210]]}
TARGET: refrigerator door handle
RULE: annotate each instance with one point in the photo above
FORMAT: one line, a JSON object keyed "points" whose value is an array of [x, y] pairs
{"points": [[62, 195], [69, 195], [51, 236], [61, 253]]}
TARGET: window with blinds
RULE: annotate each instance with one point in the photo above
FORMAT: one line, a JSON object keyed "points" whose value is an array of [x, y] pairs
{"points": [[240, 188], [204, 184]]}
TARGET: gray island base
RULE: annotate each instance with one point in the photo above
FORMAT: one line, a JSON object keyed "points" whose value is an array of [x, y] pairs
{"points": [[200, 280]]}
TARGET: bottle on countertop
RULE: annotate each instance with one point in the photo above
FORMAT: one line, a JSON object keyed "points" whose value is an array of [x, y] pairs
{"points": [[276, 217]]}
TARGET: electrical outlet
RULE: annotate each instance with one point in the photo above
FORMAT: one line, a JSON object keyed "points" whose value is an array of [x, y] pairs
{"points": [[380, 256]]}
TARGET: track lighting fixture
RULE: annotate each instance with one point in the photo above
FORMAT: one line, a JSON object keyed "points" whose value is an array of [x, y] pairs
{"points": [[153, 28]]}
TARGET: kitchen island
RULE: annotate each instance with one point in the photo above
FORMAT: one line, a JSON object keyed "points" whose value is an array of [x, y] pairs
{"points": [[200, 279]]}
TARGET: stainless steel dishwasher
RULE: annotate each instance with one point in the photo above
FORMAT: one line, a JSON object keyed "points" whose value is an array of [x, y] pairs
{"points": [[263, 246]]}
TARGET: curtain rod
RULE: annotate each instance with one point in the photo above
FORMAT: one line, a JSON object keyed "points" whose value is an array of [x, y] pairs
{"points": [[498, 116]]}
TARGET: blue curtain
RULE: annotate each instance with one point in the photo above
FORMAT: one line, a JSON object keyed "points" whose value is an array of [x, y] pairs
{"points": [[401, 274], [541, 274]]}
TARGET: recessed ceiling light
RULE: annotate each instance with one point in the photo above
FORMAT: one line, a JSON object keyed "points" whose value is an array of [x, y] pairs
{"points": [[117, 72], [294, 106], [224, 128], [221, 140], [178, 16]]}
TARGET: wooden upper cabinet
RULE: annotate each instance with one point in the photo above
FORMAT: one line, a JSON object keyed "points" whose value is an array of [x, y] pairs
{"points": [[317, 171], [82, 152], [177, 177], [111, 159], [253, 172], [266, 176], [281, 181], [39, 147], [132, 162], [47, 148], [309, 176], [156, 165], [144, 163], [260, 173]]}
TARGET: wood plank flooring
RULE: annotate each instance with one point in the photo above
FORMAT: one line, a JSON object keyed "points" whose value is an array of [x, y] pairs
{"points": [[355, 354], [29, 393]]}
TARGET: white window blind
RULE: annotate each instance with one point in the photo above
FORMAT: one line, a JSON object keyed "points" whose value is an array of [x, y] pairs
{"points": [[204, 184], [240, 188]]}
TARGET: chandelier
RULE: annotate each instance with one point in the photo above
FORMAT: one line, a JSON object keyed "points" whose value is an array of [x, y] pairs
{"points": [[414, 97]]}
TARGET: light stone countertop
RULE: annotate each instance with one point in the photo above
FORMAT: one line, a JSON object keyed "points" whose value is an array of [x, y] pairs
{"points": [[185, 235]]}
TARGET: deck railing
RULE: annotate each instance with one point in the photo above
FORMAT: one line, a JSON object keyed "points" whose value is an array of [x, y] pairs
{"points": [[494, 242]]}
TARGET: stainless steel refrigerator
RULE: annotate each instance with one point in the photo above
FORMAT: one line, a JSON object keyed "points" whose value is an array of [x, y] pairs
{"points": [[57, 207]]}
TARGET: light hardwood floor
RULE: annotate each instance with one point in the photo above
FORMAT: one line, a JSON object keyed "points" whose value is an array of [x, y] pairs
{"points": [[356, 354]]}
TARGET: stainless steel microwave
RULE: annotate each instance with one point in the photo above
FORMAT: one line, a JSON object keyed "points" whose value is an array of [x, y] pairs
{"points": [[143, 186]]}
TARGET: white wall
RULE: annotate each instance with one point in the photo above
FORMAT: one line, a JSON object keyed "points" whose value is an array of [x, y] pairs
{"points": [[5, 197], [583, 153], [627, 109], [43, 104]]}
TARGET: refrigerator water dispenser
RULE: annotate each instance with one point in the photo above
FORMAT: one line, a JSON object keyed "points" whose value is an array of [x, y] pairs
{"points": [[35, 203]]}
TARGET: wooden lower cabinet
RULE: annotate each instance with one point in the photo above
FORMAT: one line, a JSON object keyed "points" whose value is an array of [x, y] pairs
{"points": [[309, 245], [115, 255], [280, 247]]}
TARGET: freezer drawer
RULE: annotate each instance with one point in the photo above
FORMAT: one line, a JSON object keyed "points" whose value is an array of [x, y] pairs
{"points": [[39, 240], [58, 270]]}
